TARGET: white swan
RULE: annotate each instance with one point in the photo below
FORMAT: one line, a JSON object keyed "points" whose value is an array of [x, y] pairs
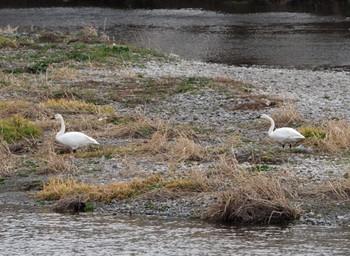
{"points": [[283, 135], [73, 140]]}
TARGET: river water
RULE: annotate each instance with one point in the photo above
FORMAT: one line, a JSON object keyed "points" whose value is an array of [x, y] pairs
{"points": [[28, 230], [285, 39]]}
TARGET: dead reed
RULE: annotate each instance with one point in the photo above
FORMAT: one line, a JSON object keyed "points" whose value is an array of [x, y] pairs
{"points": [[5, 159], [63, 73], [52, 163], [251, 198], [286, 115], [329, 137]]}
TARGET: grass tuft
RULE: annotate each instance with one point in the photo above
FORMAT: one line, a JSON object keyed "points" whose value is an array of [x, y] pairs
{"points": [[58, 188], [17, 128], [330, 137], [8, 42], [64, 73], [260, 199], [286, 115], [185, 149]]}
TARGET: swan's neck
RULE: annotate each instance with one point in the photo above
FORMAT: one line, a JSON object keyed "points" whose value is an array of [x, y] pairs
{"points": [[63, 128], [272, 127]]}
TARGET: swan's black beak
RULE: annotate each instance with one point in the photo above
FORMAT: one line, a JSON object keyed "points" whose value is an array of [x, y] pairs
{"points": [[52, 118]]}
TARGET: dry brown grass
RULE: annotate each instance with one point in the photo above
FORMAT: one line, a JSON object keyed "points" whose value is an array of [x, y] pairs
{"points": [[64, 73], [329, 137], [72, 106], [34, 87], [246, 197], [286, 115], [24, 108], [338, 136], [9, 30], [89, 31], [5, 160], [58, 188], [158, 143], [185, 149], [51, 163]]}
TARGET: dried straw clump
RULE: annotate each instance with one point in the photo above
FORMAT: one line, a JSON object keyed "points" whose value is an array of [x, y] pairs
{"points": [[338, 136], [330, 137], [286, 115], [158, 143], [89, 31], [255, 199], [5, 159], [185, 149], [9, 30], [64, 73], [336, 189]]}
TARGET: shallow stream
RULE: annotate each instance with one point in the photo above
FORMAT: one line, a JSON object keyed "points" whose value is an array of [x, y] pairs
{"points": [[33, 231]]}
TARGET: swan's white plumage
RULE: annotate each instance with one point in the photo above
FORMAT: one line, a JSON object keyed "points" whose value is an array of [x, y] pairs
{"points": [[285, 135], [73, 140]]}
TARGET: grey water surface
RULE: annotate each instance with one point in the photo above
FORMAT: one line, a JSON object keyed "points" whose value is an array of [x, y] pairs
{"points": [[29, 230], [284, 39]]}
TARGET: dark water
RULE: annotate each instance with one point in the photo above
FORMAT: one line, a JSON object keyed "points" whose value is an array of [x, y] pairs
{"points": [[287, 38], [31, 231]]}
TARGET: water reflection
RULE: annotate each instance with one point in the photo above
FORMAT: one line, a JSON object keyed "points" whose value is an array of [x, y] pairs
{"points": [[32, 231]]}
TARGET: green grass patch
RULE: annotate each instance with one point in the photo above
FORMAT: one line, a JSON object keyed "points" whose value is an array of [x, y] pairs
{"points": [[313, 132], [17, 128]]}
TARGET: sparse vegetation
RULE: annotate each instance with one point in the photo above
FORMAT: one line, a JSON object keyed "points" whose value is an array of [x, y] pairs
{"points": [[85, 77]]}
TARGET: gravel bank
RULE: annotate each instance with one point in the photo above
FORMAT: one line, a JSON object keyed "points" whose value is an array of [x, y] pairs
{"points": [[320, 94]]}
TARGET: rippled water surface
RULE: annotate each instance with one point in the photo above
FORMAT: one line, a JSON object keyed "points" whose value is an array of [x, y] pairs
{"points": [[267, 38], [31, 231]]}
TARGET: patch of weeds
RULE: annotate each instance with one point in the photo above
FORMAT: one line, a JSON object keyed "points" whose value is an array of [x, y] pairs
{"points": [[2, 181], [313, 132], [17, 128], [261, 168], [89, 207], [190, 84], [37, 68], [8, 42], [103, 51], [94, 170]]}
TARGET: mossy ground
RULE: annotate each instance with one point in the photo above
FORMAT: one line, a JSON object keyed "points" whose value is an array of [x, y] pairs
{"points": [[85, 77]]}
